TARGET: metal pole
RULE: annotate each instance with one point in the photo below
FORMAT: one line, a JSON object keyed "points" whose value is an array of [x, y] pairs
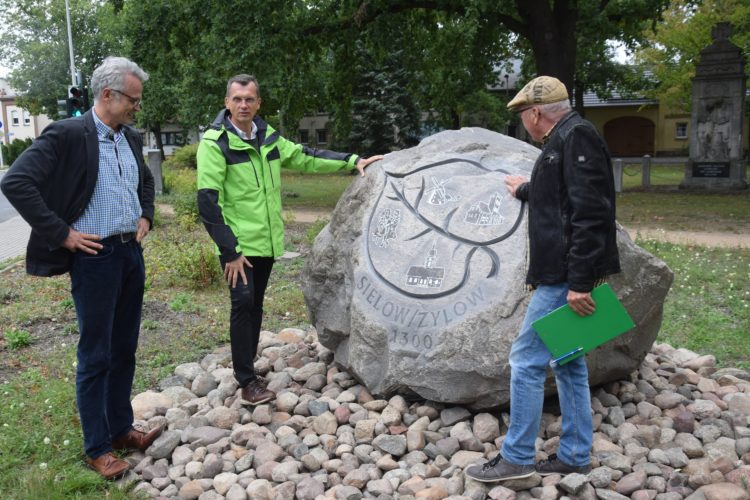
{"points": [[70, 46]]}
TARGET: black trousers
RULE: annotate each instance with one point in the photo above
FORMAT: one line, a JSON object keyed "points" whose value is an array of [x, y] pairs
{"points": [[247, 316]]}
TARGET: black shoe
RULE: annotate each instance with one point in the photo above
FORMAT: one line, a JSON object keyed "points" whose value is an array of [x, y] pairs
{"points": [[554, 465], [498, 469]]}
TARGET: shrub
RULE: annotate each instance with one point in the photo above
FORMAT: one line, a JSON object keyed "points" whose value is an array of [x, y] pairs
{"points": [[179, 181], [197, 264], [186, 208], [16, 339], [183, 158]]}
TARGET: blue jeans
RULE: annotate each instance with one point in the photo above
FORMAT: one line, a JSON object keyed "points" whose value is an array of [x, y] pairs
{"points": [[529, 360], [107, 289]]}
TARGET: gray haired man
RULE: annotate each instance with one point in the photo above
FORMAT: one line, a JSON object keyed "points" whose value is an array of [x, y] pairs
{"points": [[86, 193]]}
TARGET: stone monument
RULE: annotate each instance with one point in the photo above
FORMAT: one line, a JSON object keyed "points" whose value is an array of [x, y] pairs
{"points": [[418, 283], [716, 156]]}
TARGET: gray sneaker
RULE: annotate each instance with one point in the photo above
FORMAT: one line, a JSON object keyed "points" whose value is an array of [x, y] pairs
{"points": [[498, 469], [554, 465]]}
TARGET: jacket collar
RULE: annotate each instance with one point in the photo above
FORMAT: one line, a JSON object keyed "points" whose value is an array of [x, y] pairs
{"points": [[222, 120], [557, 126]]}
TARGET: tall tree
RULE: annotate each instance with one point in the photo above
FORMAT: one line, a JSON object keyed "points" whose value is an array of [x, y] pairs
{"points": [[384, 115], [35, 45], [673, 49], [552, 30]]}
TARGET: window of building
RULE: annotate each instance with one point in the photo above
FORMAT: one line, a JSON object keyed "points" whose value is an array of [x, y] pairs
{"points": [[304, 136], [14, 117], [322, 135], [680, 130], [26, 118], [172, 139]]}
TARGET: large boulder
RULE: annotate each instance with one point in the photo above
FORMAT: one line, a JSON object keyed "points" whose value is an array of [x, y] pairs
{"points": [[417, 284]]}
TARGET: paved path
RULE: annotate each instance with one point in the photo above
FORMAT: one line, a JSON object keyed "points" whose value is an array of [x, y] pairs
{"points": [[14, 234]]}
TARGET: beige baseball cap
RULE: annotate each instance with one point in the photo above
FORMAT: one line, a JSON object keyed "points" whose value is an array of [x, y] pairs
{"points": [[540, 90]]}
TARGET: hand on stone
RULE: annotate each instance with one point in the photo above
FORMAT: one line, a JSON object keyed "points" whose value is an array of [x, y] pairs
{"points": [[236, 268], [363, 162], [86, 243], [581, 303], [512, 182]]}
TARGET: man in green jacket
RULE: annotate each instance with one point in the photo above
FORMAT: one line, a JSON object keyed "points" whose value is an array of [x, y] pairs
{"points": [[239, 199]]}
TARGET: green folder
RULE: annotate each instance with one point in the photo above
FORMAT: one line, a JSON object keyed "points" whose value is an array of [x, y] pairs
{"points": [[569, 336]]}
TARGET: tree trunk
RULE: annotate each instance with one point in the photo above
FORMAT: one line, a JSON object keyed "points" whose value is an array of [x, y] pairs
{"points": [[156, 130], [455, 120], [551, 31], [579, 90]]}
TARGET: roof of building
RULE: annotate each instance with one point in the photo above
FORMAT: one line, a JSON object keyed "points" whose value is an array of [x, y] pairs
{"points": [[591, 100]]}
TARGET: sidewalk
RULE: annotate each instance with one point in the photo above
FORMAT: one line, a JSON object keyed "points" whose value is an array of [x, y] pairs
{"points": [[14, 234]]}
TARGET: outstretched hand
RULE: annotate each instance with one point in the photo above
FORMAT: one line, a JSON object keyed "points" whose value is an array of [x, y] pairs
{"points": [[363, 162]]}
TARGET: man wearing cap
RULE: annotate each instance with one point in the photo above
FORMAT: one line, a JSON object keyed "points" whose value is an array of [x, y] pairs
{"points": [[572, 248]]}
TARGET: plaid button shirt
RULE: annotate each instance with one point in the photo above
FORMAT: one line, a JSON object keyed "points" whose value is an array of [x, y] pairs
{"points": [[114, 207]]}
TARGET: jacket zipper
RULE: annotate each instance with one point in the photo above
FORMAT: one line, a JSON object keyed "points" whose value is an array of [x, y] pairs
{"points": [[252, 164]]}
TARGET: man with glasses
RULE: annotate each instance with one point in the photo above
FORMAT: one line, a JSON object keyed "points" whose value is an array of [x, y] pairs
{"points": [[572, 247], [85, 191], [239, 199]]}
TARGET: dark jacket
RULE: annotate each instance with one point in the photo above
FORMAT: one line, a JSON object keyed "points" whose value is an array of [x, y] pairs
{"points": [[571, 195], [52, 182]]}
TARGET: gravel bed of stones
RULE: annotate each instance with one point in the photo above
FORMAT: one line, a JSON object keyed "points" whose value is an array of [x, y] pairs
{"points": [[677, 428]]}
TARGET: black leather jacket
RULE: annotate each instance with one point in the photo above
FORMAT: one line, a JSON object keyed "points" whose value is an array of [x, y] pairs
{"points": [[571, 196]]}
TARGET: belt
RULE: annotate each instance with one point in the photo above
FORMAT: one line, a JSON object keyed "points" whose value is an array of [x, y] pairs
{"points": [[119, 238]]}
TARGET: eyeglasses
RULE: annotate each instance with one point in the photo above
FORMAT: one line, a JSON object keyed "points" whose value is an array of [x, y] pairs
{"points": [[135, 102]]}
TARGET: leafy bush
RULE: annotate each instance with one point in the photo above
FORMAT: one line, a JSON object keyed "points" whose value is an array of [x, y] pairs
{"points": [[176, 258], [183, 158], [179, 180], [14, 149], [186, 208], [198, 265], [16, 339]]}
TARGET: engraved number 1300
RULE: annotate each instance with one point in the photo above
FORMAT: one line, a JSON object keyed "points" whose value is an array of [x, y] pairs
{"points": [[413, 340]]}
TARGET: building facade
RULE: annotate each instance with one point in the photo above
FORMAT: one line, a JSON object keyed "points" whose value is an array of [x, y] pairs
{"points": [[17, 123]]}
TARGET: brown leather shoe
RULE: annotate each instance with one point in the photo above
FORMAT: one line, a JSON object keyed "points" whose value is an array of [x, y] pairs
{"points": [[136, 440], [256, 392], [108, 465]]}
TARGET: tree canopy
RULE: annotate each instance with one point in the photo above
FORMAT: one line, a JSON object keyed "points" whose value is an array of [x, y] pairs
{"points": [[441, 56], [673, 50]]}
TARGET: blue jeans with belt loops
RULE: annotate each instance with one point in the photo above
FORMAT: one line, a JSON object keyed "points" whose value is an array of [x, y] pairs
{"points": [[107, 290], [529, 360]]}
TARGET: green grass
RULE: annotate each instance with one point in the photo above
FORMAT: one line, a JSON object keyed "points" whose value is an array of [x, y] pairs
{"points": [[316, 192], [707, 309], [679, 210], [41, 450], [662, 175]]}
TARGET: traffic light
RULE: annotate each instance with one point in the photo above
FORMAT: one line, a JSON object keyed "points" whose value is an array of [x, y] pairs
{"points": [[62, 108], [75, 101]]}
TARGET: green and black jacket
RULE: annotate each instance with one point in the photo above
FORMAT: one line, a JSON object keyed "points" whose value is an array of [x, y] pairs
{"points": [[239, 185]]}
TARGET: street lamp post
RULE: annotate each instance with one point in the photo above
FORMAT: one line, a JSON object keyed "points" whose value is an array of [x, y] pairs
{"points": [[70, 46]]}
